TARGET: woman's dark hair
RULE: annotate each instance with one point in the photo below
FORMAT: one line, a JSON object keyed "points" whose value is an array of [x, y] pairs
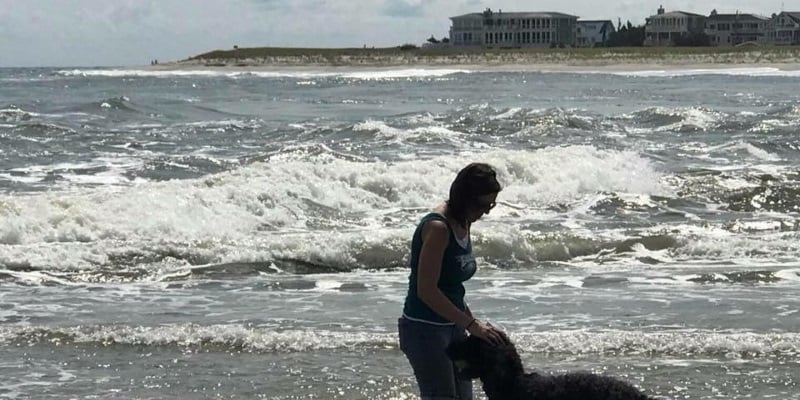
{"points": [[472, 182]]}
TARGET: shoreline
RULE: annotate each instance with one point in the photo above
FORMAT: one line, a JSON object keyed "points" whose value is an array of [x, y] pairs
{"points": [[511, 67], [572, 60]]}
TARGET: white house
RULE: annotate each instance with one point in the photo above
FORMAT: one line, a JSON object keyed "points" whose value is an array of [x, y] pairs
{"points": [[663, 29], [734, 29], [785, 28], [593, 33], [500, 29]]}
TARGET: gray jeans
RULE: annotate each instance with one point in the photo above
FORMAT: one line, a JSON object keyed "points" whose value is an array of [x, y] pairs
{"points": [[424, 345]]}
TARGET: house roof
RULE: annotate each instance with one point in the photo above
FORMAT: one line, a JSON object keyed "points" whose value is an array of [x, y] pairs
{"points": [[794, 16], [470, 15], [676, 14], [737, 17], [537, 14]]}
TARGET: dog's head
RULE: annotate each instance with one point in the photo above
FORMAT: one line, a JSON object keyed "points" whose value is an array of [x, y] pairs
{"points": [[475, 358]]}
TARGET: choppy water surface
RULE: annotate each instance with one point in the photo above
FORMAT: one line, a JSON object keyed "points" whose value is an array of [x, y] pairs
{"points": [[245, 235]]}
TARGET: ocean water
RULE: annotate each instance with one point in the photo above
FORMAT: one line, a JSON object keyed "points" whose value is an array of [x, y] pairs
{"points": [[223, 234]]}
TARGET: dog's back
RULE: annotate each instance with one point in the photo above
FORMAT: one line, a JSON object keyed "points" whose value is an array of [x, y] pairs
{"points": [[503, 376], [578, 386]]}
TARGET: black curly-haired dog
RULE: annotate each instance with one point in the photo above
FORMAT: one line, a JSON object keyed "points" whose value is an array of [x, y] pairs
{"points": [[503, 377]]}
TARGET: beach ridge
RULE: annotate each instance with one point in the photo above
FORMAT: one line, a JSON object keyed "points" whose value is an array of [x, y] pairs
{"points": [[594, 57]]}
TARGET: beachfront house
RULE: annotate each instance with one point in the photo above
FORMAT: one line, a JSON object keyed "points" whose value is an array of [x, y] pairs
{"points": [[669, 28], [491, 29], [735, 29], [593, 33], [785, 28]]}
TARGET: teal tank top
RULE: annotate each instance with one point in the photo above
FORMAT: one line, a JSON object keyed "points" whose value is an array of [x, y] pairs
{"points": [[458, 265]]}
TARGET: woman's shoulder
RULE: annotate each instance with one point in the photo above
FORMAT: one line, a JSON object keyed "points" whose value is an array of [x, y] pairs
{"points": [[435, 229], [433, 219]]}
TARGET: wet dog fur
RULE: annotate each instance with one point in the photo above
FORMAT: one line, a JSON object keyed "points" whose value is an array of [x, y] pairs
{"points": [[503, 376]]}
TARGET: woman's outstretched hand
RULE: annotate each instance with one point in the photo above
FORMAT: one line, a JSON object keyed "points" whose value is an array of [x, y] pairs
{"points": [[487, 332]]}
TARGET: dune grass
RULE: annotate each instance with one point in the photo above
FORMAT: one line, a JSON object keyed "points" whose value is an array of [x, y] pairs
{"points": [[453, 56], [264, 52]]}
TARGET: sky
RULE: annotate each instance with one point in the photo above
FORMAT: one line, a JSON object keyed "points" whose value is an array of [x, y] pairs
{"points": [[133, 32]]}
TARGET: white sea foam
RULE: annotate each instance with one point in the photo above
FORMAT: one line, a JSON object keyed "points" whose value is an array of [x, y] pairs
{"points": [[769, 125], [328, 284], [686, 343], [21, 178], [376, 74], [325, 210], [110, 171], [402, 73], [747, 147], [510, 113], [420, 134], [792, 275], [677, 72], [683, 343], [691, 118], [14, 114], [714, 242]]}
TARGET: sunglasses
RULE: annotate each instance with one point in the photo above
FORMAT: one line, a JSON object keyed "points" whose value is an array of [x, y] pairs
{"points": [[484, 205]]}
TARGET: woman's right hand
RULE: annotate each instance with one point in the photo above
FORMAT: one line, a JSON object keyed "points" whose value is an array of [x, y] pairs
{"points": [[487, 332]]}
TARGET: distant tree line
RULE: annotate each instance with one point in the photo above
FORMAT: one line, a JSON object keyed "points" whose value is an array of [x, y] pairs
{"points": [[626, 35], [632, 36], [434, 40]]}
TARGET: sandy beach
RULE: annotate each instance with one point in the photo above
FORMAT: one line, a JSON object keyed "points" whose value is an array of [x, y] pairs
{"points": [[623, 67], [627, 59]]}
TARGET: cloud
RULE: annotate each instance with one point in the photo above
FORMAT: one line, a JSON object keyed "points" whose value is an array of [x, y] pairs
{"points": [[403, 8]]}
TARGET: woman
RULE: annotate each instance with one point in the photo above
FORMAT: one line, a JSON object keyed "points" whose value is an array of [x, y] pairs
{"points": [[435, 314]]}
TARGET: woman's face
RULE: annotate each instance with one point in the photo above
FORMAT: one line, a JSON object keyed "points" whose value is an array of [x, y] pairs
{"points": [[481, 206]]}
